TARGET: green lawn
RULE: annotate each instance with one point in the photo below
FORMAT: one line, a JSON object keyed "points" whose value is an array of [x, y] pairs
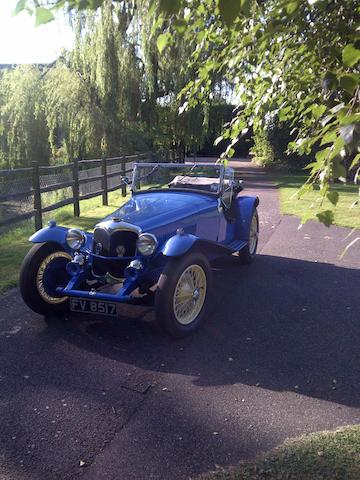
{"points": [[291, 205], [14, 244], [320, 456]]}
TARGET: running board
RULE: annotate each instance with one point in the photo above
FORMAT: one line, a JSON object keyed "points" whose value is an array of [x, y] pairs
{"points": [[237, 245]]}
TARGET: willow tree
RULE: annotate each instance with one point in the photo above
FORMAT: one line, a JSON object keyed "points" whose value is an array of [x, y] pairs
{"points": [[166, 73], [73, 119], [23, 132], [128, 83], [104, 57]]}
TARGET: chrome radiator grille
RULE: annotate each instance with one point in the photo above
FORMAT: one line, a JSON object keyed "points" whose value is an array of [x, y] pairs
{"points": [[118, 243]]}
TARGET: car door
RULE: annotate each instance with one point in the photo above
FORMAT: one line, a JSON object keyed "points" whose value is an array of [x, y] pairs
{"points": [[207, 224]]}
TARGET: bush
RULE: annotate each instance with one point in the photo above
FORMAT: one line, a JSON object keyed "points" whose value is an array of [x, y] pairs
{"points": [[262, 150], [270, 148]]}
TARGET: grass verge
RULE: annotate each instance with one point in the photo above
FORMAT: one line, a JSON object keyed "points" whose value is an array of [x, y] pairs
{"points": [[320, 456], [289, 203], [14, 243]]}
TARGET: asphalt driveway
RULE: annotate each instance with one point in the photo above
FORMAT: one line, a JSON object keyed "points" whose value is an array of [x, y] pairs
{"points": [[278, 357]]}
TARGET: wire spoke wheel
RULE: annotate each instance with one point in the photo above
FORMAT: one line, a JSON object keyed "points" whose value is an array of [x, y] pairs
{"points": [[51, 270], [190, 294], [42, 271], [254, 234]]}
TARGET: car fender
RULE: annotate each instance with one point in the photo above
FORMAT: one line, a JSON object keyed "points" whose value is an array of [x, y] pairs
{"points": [[246, 206], [56, 234], [50, 234], [180, 244]]}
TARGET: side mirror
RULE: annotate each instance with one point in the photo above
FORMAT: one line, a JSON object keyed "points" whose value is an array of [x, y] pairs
{"points": [[126, 180]]}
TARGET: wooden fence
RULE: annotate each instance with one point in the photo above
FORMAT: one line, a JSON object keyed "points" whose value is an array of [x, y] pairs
{"points": [[22, 190]]}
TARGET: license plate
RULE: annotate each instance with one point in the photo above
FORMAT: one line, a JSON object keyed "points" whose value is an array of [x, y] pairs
{"points": [[84, 305]]}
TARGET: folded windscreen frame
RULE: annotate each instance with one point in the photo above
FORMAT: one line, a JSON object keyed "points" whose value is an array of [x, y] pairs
{"points": [[203, 177]]}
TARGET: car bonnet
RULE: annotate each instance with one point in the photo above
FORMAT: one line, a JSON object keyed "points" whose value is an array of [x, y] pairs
{"points": [[152, 210]]}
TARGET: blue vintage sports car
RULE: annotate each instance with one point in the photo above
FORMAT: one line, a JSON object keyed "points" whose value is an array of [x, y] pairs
{"points": [[155, 249]]}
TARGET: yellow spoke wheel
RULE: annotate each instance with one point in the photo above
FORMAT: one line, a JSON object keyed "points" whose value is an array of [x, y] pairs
{"points": [[40, 277], [189, 295], [254, 234], [183, 294], [42, 271]]}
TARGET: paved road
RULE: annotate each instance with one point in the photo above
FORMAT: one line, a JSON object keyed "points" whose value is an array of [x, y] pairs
{"points": [[278, 357]]}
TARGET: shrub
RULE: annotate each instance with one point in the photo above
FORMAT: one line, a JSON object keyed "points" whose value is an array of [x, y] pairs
{"points": [[270, 147], [262, 150]]}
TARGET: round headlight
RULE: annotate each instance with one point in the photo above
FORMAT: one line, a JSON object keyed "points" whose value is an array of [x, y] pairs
{"points": [[75, 238], [147, 244]]}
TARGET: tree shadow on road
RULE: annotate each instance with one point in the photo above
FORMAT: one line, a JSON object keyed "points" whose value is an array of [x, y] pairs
{"points": [[280, 323]]}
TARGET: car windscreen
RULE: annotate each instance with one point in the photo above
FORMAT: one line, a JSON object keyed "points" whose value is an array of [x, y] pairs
{"points": [[203, 177]]}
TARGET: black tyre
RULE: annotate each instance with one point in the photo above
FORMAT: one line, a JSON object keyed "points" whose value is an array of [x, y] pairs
{"points": [[42, 271], [183, 293], [247, 254]]}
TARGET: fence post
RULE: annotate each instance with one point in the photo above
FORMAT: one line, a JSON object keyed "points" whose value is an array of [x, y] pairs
{"points": [[37, 195], [123, 175], [75, 188], [105, 199]]}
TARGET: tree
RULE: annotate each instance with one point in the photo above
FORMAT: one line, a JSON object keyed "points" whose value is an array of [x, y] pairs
{"points": [[294, 61], [105, 59], [87, 103], [73, 118], [23, 132], [118, 50]]}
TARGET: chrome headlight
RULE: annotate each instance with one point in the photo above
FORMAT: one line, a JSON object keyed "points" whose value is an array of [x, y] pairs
{"points": [[147, 244], [75, 238]]}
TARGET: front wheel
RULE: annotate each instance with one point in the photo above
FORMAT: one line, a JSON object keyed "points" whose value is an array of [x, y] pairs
{"points": [[247, 254], [182, 296], [42, 271]]}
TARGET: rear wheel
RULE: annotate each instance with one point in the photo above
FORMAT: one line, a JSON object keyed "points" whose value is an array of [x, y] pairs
{"points": [[42, 271], [182, 296], [247, 254]]}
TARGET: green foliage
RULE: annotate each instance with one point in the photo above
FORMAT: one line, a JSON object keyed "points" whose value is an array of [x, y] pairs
{"points": [[162, 40], [229, 10], [294, 61], [285, 59], [106, 62], [262, 150], [118, 89], [351, 55], [23, 134], [271, 147], [326, 217], [73, 120], [43, 15], [86, 104]]}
